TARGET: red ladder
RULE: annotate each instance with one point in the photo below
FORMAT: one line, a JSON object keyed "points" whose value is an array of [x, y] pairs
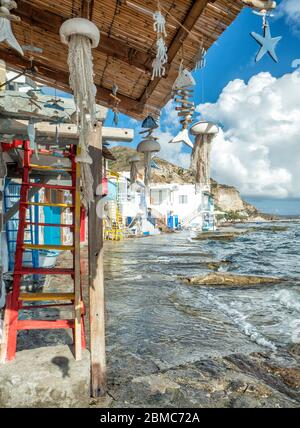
{"points": [[15, 299]]}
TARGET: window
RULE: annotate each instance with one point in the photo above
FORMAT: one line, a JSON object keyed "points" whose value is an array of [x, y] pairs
{"points": [[183, 199]]}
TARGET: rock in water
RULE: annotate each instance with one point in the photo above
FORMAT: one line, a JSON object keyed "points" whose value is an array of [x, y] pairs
{"points": [[229, 280]]}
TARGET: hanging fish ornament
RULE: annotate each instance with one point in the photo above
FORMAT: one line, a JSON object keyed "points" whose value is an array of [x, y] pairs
{"points": [[55, 104], [6, 33], [183, 95]]}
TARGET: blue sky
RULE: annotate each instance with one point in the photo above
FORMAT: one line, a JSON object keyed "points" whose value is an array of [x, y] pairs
{"points": [[233, 56]]}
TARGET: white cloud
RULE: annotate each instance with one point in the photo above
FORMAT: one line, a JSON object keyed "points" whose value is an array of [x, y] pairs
{"points": [[258, 149], [172, 152], [290, 9]]}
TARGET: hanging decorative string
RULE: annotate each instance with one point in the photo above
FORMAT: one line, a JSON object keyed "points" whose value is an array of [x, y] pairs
{"points": [[116, 102], [6, 33], [200, 58], [81, 35], [161, 58]]}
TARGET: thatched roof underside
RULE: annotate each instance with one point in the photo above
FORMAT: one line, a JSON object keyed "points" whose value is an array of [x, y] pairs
{"points": [[127, 45]]}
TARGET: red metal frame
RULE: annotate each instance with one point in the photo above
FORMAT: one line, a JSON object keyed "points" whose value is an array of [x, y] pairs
{"points": [[13, 305]]}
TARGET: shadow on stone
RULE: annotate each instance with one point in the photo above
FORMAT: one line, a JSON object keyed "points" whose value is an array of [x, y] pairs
{"points": [[63, 364]]}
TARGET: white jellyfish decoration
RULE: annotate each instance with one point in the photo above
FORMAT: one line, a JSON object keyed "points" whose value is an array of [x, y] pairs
{"points": [[133, 161], [6, 33], [205, 132], [148, 147], [81, 36]]}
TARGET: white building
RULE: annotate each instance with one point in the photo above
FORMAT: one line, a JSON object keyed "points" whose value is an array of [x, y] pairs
{"points": [[176, 205]]}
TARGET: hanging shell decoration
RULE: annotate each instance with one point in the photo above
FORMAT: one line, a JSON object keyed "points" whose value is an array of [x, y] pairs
{"points": [[6, 33], [81, 35], [148, 146], [161, 59], [183, 95]]}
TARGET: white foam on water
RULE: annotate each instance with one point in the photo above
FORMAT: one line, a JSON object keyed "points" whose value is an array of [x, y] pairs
{"points": [[288, 300], [239, 319]]}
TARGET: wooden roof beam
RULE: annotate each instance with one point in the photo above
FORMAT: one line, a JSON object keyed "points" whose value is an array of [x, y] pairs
{"points": [[60, 79], [190, 21], [51, 22]]}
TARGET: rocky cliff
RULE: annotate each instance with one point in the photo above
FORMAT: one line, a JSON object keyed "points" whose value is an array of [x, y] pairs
{"points": [[227, 198]]}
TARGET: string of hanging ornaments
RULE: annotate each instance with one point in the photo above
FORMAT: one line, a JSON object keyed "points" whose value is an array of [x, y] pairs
{"points": [[266, 41], [81, 35], [6, 33], [161, 59], [183, 90]]}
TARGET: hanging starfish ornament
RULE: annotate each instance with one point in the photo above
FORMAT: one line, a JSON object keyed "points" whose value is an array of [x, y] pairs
{"points": [[267, 42]]}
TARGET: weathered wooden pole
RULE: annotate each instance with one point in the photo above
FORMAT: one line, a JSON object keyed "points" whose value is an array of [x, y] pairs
{"points": [[96, 277]]}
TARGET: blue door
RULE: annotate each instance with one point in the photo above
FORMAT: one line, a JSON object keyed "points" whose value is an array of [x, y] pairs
{"points": [[52, 235]]}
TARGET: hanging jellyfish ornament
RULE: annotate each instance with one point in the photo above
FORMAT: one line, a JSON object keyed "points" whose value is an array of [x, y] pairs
{"points": [[116, 102], [183, 95], [148, 146], [31, 131], [204, 132], [161, 59], [266, 41], [134, 161], [81, 35], [6, 33]]}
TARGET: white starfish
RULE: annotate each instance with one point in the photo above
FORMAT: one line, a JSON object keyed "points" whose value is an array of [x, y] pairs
{"points": [[268, 44]]}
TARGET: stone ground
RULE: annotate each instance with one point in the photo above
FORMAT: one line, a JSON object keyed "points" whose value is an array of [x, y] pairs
{"points": [[50, 377]]}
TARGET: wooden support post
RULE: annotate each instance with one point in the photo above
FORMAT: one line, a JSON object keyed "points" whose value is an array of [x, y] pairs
{"points": [[77, 278], [96, 277]]}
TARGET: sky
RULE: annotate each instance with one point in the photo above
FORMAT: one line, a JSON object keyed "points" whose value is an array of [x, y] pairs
{"points": [[257, 106]]}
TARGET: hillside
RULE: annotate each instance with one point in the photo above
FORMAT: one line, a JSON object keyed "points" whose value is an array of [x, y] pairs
{"points": [[227, 198]]}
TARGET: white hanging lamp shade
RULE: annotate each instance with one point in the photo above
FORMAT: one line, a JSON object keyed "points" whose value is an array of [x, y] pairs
{"points": [[81, 35]]}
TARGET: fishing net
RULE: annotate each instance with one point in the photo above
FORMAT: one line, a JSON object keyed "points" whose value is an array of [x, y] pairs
{"points": [[201, 161], [80, 61]]}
